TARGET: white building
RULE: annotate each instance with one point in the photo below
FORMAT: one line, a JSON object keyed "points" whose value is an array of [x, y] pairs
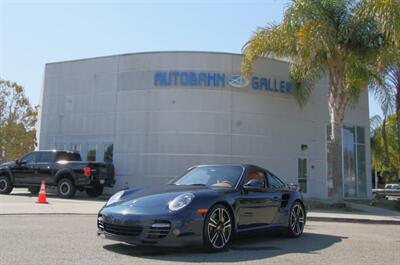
{"points": [[162, 112]]}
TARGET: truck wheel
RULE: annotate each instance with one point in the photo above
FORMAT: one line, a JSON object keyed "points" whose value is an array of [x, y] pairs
{"points": [[5, 185], [34, 190], [66, 188], [96, 191]]}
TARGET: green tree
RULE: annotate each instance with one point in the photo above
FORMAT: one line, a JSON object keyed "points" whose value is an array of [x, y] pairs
{"points": [[385, 161], [17, 121], [388, 95], [350, 41]]}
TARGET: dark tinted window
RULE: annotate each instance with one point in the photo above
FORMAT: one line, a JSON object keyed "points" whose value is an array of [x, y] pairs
{"points": [[46, 157], [108, 153], [68, 156], [255, 174], [91, 152], [274, 182], [29, 158]]}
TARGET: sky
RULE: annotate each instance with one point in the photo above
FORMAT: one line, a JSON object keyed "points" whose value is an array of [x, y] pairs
{"points": [[33, 33]]}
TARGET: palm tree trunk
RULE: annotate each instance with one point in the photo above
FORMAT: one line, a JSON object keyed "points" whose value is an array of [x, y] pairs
{"points": [[335, 162], [337, 101]]}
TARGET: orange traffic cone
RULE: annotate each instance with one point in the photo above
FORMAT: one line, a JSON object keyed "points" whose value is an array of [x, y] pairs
{"points": [[42, 193]]}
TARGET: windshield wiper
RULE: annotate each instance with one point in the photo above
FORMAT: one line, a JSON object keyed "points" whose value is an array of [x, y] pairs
{"points": [[198, 184]]}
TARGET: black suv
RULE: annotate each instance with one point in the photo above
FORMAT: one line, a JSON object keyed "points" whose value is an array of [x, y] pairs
{"points": [[63, 169]]}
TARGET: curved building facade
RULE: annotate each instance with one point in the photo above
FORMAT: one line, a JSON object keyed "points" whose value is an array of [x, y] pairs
{"points": [[156, 114]]}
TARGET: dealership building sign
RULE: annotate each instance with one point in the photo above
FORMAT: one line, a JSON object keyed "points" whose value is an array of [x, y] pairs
{"points": [[218, 79]]}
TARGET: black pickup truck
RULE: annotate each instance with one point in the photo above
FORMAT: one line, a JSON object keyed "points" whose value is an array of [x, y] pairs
{"points": [[63, 169]]}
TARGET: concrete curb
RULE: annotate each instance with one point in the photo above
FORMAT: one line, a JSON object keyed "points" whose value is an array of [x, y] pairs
{"points": [[351, 220]]}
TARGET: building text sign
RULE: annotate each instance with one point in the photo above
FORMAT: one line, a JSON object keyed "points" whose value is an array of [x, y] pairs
{"points": [[218, 79]]}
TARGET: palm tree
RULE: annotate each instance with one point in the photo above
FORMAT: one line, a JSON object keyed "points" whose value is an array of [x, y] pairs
{"points": [[375, 125], [388, 95], [349, 40]]}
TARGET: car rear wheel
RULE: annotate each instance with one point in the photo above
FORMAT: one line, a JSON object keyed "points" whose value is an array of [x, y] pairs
{"points": [[34, 190], [5, 185], [96, 191], [66, 188], [218, 227], [297, 220]]}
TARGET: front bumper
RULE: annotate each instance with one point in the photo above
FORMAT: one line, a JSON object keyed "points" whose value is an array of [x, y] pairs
{"points": [[168, 230]]}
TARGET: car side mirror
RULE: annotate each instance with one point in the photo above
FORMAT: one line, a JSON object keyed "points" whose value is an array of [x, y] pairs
{"points": [[19, 162], [253, 185], [293, 186]]}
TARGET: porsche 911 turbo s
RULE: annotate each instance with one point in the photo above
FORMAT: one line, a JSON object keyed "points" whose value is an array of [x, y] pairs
{"points": [[206, 206]]}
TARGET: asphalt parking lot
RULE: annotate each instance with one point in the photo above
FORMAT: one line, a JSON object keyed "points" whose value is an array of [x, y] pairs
{"points": [[55, 238]]}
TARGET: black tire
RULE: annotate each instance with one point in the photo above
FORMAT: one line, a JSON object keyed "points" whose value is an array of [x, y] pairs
{"points": [[96, 191], [218, 228], [66, 188], [6, 185], [297, 220], [34, 190]]}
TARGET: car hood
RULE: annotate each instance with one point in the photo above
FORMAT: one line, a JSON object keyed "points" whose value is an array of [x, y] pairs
{"points": [[7, 164], [156, 199]]}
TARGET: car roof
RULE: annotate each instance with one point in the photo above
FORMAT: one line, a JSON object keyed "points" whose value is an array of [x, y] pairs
{"points": [[54, 151], [226, 164]]}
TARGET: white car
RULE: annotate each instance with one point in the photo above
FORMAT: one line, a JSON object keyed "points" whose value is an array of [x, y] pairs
{"points": [[394, 186]]}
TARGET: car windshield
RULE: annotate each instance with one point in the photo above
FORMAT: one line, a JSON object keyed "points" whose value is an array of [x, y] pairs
{"points": [[216, 176]]}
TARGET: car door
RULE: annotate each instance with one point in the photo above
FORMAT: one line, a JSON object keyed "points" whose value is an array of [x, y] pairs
{"points": [[257, 207], [24, 170], [275, 189], [44, 169]]}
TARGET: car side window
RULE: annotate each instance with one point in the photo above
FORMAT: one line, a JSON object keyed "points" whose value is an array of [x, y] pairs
{"points": [[256, 174], [46, 157], [274, 182], [29, 158]]}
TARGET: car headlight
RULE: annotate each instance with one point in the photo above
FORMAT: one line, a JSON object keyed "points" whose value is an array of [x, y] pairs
{"points": [[180, 201], [116, 197]]}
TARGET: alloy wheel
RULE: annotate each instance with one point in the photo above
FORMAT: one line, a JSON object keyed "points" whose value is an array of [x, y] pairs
{"points": [[219, 228], [297, 219]]}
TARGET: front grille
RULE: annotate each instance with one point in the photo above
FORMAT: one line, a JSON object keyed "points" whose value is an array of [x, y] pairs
{"points": [[122, 230]]}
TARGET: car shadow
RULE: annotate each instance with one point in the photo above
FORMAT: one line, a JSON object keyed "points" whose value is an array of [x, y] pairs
{"points": [[243, 248]]}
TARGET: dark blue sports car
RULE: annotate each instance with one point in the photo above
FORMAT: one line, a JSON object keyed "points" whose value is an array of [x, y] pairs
{"points": [[206, 206]]}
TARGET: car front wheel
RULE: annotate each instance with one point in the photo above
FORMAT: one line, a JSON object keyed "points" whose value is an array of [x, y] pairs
{"points": [[218, 228], [5, 185], [297, 220]]}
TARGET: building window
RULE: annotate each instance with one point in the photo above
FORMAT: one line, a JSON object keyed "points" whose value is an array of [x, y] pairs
{"points": [[91, 152], [354, 161], [302, 174], [76, 148], [60, 147], [108, 153]]}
